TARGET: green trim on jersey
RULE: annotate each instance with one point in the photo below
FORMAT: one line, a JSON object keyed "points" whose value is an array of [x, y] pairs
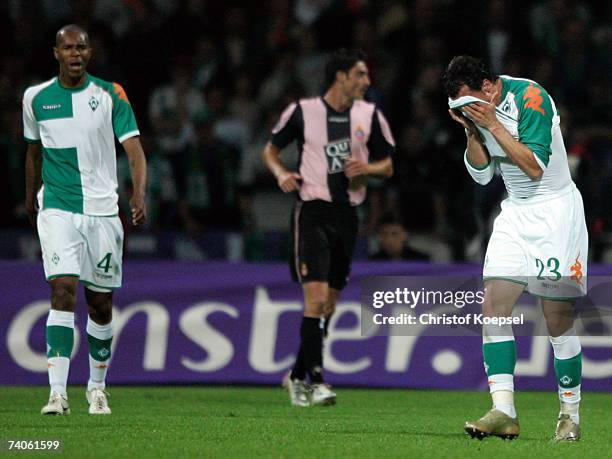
{"points": [[75, 89], [34, 141], [535, 115], [123, 117], [53, 102], [62, 179], [478, 168]]}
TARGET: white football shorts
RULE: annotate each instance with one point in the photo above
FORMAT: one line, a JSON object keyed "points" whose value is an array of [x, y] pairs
{"points": [[543, 244], [85, 246]]}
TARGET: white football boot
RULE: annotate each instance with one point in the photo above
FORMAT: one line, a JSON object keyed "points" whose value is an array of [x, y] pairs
{"points": [[58, 405], [322, 395], [98, 403], [298, 392]]}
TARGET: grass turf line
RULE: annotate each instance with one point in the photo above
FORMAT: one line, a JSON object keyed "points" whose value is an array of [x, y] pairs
{"points": [[237, 421]]}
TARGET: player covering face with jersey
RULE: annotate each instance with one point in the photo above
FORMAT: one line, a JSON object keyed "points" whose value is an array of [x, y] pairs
{"points": [[539, 242]]}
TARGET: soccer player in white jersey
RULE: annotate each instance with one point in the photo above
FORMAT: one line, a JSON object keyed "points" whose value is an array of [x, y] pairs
{"points": [[539, 241], [70, 123]]}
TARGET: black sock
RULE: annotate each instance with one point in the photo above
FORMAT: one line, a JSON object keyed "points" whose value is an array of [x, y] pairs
{"points": [[312, 347], [299, 370]]}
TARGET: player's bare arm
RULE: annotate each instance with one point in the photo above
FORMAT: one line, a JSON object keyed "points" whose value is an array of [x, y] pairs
{"points": [[484, 116], [33, 168], [138, 170], [288, 181], [382, 168], [477, 153]]}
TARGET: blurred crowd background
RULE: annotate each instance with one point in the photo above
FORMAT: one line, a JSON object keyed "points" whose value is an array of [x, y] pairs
{"points": [[208, 79]]}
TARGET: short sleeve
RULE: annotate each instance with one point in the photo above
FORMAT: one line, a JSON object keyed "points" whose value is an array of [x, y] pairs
{"points": [[535, 122], [31, 132], [124, 121], [381, 143], [288, 127]]}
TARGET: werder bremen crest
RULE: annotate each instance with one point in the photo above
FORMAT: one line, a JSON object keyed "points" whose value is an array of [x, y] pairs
{"points": [[93, 103]]}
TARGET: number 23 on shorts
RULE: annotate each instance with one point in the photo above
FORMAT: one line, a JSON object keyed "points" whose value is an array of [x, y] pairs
{"points": [[550, 270]]}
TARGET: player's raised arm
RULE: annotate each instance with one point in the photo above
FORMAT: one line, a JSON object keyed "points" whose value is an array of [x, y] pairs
{"points": [[138, 171], [484, 115]]}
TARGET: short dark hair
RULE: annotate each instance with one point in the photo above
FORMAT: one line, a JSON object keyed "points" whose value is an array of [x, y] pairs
{"points": [[70, 28], [466, 70], [341, 60]]}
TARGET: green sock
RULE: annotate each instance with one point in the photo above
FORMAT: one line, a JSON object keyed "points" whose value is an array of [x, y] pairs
{"points": [[499, 358], [99, 349], [569, 371], [59, 341]]}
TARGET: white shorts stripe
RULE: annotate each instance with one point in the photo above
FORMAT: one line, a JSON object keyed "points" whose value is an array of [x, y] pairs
{"points": [[296, 238]]}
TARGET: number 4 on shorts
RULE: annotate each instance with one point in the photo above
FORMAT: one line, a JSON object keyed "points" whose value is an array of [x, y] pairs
{"points": [[105, 263]]}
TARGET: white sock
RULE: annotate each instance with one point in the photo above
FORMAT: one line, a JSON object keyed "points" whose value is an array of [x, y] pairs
{"points": [[58, 367], [503, 400], [58, 374], [572, 410], [502, 393], [97, 374], [98, 368]]}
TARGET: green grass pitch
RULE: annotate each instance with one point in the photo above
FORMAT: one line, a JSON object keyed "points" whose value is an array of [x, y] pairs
{"points": [[244, 422]]}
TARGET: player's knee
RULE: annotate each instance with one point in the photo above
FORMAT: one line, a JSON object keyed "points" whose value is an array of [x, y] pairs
{"points": [[330, 308], [558, 324], [63, 296], [315, 307], [102, 314], [100, 307]]}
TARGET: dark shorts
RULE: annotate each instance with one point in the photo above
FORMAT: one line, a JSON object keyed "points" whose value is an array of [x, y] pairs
{"points": [[323, 236]]}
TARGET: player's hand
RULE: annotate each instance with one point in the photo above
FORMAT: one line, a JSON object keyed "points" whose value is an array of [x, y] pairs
{"points": [[289, 181], [354, 167], [139, 210], [483, 114], [463, 121]]}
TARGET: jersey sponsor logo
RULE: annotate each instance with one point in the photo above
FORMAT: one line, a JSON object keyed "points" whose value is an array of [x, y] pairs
{"points": [[576, 268], [360, 134], [337, 153], [51, 107], [93, 103], [534, 99], [337, 119]]}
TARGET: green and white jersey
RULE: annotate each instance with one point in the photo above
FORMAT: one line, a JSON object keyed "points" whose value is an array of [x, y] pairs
{"points": [[529, 114], [76, 128]]}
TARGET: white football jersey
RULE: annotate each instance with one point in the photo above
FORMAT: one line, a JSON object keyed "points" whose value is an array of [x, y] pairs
{"points": [[529, 114], [76, 128]]}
